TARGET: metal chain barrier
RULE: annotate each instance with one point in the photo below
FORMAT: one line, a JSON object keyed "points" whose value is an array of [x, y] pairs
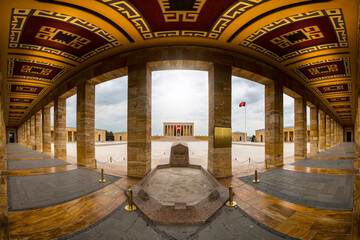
{"points": [[250, 160], [111, 160]]}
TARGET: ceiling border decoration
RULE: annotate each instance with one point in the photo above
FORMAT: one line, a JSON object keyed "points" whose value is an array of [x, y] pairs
{"points": [[342, 106], [18, 107], [18, 21], [338, 88], [11, 65], [342, 99], [346, 62], [139, 22], [26, 89], [335, 16], [21, 100]]}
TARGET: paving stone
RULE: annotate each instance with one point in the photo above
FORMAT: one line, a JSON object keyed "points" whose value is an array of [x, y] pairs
{"points": [[332, 155], [25, 155], [121, 224], [128, 220], [309, 186], [38, 191], [136, 229], [323, 163]]}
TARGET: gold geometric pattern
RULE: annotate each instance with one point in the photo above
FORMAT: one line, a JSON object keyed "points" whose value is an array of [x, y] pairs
{"points": [[20, 16], [43, 70], [332, 68], [49, 33], [139, 22], [335, 16], [184, 16]]}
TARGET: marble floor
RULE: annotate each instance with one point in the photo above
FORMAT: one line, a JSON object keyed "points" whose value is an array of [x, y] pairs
{"points": [[260, 214]]}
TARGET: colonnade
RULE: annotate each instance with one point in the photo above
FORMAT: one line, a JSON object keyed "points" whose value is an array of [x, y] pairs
{"points": [[36, 131], [178, 129], [324, 132]]}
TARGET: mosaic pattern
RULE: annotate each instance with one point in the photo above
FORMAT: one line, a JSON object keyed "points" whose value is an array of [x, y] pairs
{"points": [[25, 89], [18, 107], [346, 111], [58, 34], [341, 106], [32, 69], [21, 100], [325, 69], [333, 88], [338, 99], [191, 18], [13, 112], [300, 34]]}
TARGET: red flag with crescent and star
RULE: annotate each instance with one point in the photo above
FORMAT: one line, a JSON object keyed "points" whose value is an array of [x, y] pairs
{"points": [[242, 104]]}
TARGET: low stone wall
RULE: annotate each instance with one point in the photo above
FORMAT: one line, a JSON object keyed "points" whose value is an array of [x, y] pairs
{"points": [[203, 138]]}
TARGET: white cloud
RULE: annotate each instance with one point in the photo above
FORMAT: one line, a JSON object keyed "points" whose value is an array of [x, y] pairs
{"points": [[71, 111], [254, 95], [180, 96], [52, 116], [288, 111], [111, 105]]}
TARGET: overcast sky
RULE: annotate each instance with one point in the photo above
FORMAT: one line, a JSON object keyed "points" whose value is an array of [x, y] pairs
{"points": [[179, 96]]}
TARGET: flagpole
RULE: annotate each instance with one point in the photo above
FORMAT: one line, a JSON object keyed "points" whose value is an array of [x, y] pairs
{"points": [[245, 125]]}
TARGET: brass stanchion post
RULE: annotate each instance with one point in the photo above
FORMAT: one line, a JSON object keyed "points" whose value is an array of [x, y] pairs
{"points": [[111, 159], [95, 163], [130, 207], [249, 160], [231, 202], [102, 176], [256, 180]]}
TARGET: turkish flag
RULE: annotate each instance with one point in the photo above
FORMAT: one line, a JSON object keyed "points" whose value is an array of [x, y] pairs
{"points": [[242, 104]]}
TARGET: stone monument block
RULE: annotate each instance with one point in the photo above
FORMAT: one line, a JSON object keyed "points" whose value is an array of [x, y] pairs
{"points": [[179, 156]]}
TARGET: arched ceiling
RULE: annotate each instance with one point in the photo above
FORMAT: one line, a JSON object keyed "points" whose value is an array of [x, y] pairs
{"points": [[44, 42]]}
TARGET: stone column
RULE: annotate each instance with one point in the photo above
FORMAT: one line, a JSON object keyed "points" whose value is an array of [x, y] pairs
{"points": [[28, 141], [60, 127], [139, 120], [32, 132], [274, 126], [38, 132], [335, 132], [300, 141], [328, 132], [85, 124], [332, 132], [322, 131], [314, 131], [219, 158], [338, 138], [46, 130]]}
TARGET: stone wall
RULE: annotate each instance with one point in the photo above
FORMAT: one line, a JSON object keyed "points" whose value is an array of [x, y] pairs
{"points": [[71, 135], [238, 137], [117, 136], [289, 134]]}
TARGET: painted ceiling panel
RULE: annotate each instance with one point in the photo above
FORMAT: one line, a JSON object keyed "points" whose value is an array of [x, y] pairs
{"points": [[300, 34], [31, 69], [325, 69], [313, 41], [58, 34]]}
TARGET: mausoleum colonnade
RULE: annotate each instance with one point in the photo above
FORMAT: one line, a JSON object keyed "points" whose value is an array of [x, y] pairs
{"points": [[178, 129], [34, 130]]}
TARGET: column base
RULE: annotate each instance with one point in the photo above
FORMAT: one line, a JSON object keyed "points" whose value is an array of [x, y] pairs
{"points": [[138, 169]]}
